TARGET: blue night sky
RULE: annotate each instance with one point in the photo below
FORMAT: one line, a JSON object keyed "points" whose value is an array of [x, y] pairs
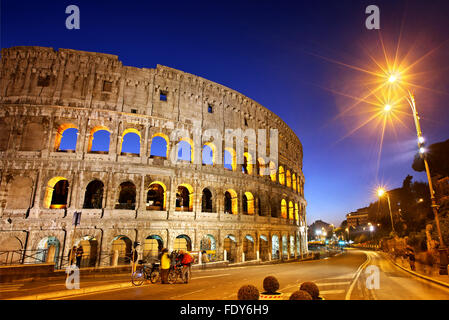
{"points": [[279, 54]]}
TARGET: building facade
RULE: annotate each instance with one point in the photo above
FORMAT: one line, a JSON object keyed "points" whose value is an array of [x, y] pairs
{"points": [[357, 218], [236, 211]]}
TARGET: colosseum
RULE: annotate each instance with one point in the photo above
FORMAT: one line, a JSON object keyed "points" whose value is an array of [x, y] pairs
{"points": [[82, 133]]}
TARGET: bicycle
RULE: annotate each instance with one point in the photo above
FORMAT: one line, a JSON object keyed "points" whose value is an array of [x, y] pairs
{"points": [[174, 273], [145, 272]]}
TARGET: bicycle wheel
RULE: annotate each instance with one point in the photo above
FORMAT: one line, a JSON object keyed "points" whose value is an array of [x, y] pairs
{"points": [[155, 276], [172, 276], [138, 277]]}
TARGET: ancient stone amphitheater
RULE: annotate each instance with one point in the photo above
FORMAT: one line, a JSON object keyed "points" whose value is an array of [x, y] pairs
{"points": [[80, 132]]}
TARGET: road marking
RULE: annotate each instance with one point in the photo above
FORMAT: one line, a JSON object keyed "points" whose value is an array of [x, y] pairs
{"points": [[218, 275], [186, 294], [359, 271], [333, 283], [332, 291]]}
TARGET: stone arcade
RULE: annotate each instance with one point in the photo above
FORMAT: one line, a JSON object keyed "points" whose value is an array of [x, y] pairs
{"points": [[238, 211]]}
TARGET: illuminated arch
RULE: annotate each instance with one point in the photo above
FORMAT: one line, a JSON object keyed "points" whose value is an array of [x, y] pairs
{"points": [[272, 167], [207, 159], [156, 201], [60, 133], [281, 175], [231, 201], [233, 159], [52, 199], [290, 210], [184, 197], [284, 209], [130, 131], [248, 203], [92, 136], [294, 181], [156, 144], [180, 147], [296, 212], [289, 179], [247, 167]]}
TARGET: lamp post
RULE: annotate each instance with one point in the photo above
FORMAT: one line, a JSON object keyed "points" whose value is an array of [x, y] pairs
{"points": [[442, 248], [380, 193]]}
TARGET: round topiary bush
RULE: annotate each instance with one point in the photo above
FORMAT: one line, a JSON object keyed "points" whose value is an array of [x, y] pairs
{"points": [[248, 292], [270, 284], [300, 295], [311, 288]]}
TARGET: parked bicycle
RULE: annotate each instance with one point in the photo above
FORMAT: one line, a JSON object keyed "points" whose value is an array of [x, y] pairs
{"points": [[175, 273], [145, 272]]}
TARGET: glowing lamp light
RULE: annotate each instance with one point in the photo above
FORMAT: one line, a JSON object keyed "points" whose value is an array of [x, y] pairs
{"points": [[421, 139], [380, 192], [422, 150]]}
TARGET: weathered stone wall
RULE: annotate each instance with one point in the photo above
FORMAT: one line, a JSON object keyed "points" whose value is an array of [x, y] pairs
{"points": [[43, 92]]}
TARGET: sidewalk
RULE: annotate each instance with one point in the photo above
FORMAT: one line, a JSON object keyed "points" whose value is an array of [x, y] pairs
{"points": [[428, 273]]}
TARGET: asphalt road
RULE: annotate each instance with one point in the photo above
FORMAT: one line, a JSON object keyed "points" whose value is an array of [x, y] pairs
{"points": [[353, 275]]}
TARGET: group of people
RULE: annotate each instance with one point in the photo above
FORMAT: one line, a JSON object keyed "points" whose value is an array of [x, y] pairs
{"points": [[181, 258], [75, 255]]}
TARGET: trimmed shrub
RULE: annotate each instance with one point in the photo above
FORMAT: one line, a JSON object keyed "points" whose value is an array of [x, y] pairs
{"points": [[311, 288], [300, 295], [270, 284], [248, 292]]}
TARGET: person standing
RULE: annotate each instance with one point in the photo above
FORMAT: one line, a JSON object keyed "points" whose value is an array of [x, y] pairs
{"points": [[411, 257], [165, 265], [186, 262], [204, 259], [79, 256]]}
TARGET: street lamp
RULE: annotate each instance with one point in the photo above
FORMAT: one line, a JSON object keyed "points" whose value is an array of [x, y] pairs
{"points": [[422, 151], [380, 193]]}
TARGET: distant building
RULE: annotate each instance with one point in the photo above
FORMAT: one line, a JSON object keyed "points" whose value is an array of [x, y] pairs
{"points": [[319, 230], [357, 218]]}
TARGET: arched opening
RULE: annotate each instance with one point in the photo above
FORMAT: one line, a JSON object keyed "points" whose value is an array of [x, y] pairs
{"points": [[274, 206], [208, 244], [281, 175], [292, 245], [208, 154], [294, 181], [247, 167], [130, 142], [263, 248], [296, 212], [123, 246], [284, 247], [206, 201], [90, 251], [284, 209], [272, 168], [127, 196], [184, 198], [289, 179], [182, 242], [93, 197], [66, 137], [230, 202], [156, 196], [290, 211], [185, 150], [275, 252], [99, 140], [56, 193], [230, 160], [248, 203], [159, 146], [248, 248], [48, 251], [152, 245], [230, 245]]}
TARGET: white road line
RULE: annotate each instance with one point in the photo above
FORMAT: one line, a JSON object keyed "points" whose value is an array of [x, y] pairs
{"points": [[359, 271], [324, 292], [333, 283], [217, 275]]}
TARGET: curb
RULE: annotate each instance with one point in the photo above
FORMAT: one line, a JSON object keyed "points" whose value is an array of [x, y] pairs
{"points": [[68, 293], [420, 275]]}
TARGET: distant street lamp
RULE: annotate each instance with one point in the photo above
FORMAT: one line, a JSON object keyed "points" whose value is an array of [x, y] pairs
{"points": [[380, 193]]}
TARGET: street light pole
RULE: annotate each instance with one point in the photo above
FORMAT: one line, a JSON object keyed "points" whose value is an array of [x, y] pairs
{"points": [[380, 193], [442, 248]]}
